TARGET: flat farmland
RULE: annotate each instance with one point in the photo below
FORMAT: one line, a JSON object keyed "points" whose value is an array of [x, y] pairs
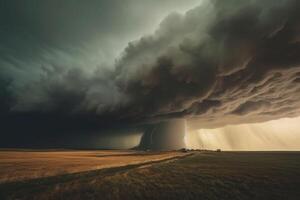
{"points": [[166, 175], [18, 165]]}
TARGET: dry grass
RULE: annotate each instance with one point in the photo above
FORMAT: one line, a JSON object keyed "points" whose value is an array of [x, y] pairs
{"points": [[202, 175], [22, 165]]}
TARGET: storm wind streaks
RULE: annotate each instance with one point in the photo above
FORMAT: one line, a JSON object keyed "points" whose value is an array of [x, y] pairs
{"points": [[223, 62]]}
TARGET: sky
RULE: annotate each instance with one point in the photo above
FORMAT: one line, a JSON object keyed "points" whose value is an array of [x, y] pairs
{"points": [[274, 135], [72, 70]]}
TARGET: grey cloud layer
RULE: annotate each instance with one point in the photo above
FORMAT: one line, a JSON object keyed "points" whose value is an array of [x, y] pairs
{"points": [[223, 62], [58, 54]]}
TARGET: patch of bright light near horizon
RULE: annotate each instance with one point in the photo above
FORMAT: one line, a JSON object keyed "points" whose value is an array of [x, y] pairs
{"points": [[280, 135]]}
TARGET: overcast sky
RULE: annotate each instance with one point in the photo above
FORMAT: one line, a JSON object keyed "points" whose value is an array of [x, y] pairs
{"points": [[85, 65]]}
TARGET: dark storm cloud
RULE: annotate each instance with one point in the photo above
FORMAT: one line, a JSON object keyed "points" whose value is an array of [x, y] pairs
{"points": [[222, 62], [56, 66], [58, 55]]}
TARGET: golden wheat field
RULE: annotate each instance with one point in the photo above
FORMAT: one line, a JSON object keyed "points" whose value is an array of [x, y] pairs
{"points": [[16, 165], [192, 175]]}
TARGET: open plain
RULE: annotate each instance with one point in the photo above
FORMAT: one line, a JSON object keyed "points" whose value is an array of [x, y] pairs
{"points": [[17, 165], [160, 175]]}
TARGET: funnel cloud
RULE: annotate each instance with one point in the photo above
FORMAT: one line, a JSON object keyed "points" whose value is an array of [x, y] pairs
{"points": [[167, 135], [220, 63]]}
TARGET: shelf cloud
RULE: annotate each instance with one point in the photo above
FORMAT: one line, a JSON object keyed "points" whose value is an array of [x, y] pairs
{"points": [[223, 62]]}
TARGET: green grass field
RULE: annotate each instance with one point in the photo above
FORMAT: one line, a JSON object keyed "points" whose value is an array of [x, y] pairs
{"points": [[203, 175]]}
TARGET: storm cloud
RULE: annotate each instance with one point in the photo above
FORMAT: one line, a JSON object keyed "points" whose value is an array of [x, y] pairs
{"points": [[223, 62]]}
